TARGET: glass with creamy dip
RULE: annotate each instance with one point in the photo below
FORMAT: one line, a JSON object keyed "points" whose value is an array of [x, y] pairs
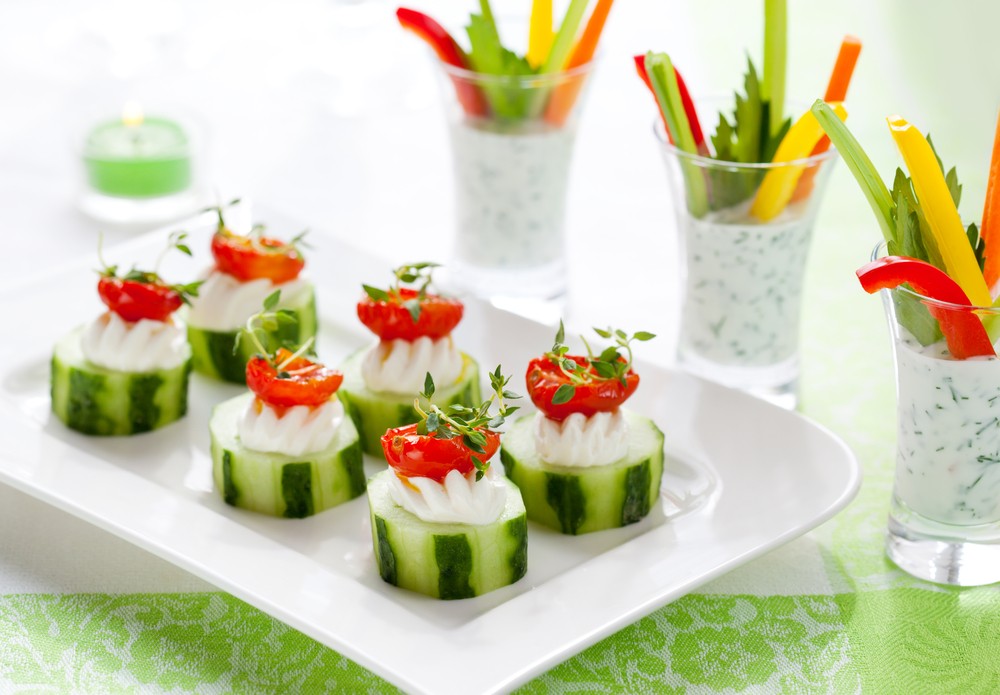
{"points": [[741, 278], [944, 523], [511, 161]]}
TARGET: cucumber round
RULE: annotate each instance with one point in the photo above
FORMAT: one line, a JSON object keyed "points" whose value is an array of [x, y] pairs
{"points": [[594, 498], [280, 485], [108, 402], [212, 351], [374, 412], [447, 561]]}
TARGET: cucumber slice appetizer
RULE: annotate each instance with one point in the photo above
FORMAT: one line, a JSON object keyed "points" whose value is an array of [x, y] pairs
{"points": [[581, 500], [279, 485], [447, 561], [95, 400], [212, 351], [375, 412]]}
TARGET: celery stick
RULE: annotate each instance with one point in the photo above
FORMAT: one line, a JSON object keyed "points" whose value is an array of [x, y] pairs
{"points": [[775, 59], [861, 166], [565, 38], [664, 80]]}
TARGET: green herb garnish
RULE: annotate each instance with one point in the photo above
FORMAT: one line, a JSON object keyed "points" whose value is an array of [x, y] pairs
{"points": [[175, 242], [608, 365], [465, 422], [419, 274]]}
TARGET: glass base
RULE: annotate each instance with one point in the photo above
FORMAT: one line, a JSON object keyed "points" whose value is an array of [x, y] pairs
{"points": [[943, 553], [775, 383], [136, 211], [541, 282]]}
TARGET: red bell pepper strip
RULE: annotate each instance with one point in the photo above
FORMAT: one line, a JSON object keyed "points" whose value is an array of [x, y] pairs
{"points": [[689, 110], [962, 329], [437, 37]]}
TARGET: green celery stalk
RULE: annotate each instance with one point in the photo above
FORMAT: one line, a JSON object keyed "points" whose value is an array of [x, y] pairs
{"points": [[565, 37], [664, 80], [861, 166], [775, 59]]}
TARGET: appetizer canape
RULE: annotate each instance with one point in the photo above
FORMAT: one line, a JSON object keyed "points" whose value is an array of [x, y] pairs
{"points": [[940, 277], [444, 522], [414, 329], [127, 370], [247, 269], [286, 448], [583, 463]]}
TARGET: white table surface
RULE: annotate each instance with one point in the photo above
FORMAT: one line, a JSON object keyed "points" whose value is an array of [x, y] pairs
{"points": [[308, 119]]}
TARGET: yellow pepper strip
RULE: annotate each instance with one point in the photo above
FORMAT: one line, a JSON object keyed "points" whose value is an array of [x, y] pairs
{"points": [[779, 184], [540, 33], [939, 210]]}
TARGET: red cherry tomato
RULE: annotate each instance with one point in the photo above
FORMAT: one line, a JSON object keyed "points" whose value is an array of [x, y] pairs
{"points": [[544, 378], [390, 320], [134, 301], [307, 383], [252, 259], [415, 455]]}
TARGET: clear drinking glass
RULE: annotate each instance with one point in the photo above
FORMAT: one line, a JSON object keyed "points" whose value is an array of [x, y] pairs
{"points": [[944, 522], [512, 143], [741, 277]]}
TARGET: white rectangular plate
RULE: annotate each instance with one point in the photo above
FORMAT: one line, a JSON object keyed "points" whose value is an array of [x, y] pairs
{"points": [[742, 477]]}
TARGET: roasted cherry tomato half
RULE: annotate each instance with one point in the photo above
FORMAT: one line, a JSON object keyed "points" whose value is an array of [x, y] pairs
{"points": [[415, 455], [544, 378], [247, 258], [390, 320], [134, 301], [300, 382]]}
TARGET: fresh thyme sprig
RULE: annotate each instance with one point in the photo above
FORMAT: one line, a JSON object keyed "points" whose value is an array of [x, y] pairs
{"points": [[266, 323], [465, 422], [176, 241], [609, 365], [409, 274], [257, 232]]}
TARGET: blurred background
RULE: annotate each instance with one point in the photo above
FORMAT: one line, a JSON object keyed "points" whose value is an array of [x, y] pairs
{"points": [[327, 111]]}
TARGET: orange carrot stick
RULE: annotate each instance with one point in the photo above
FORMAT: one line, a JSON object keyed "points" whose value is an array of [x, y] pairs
{"points": [[565, 94], [836, 90], [990, 229]]}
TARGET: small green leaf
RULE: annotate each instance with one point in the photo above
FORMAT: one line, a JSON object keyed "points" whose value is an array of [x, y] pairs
{"points": [[511, 395], [563, 394], [428, 386], [375, 293], [272, 300], [602, 333], [644, 336], [560, 335], [413, 306]]}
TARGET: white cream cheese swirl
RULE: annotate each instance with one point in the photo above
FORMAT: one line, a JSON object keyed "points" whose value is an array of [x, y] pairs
{"points": [[399, 366], [458, 500], [224, 303], [146, 345], [298, 430], [580, 441]]}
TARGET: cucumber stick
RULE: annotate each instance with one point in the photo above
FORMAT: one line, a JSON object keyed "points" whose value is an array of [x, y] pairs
{"points": [[212, 351], [375, 412], [581, 500], [448, 561], [95, 400], [279, 485]]}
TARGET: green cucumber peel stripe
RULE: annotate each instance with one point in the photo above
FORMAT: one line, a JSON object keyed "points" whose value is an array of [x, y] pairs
{"points": [[664, 80], [775, 60], [861, 166], [563, 42]]}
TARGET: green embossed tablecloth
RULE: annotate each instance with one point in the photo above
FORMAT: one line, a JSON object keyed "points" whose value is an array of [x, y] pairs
{"points": [[827, 613]]}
